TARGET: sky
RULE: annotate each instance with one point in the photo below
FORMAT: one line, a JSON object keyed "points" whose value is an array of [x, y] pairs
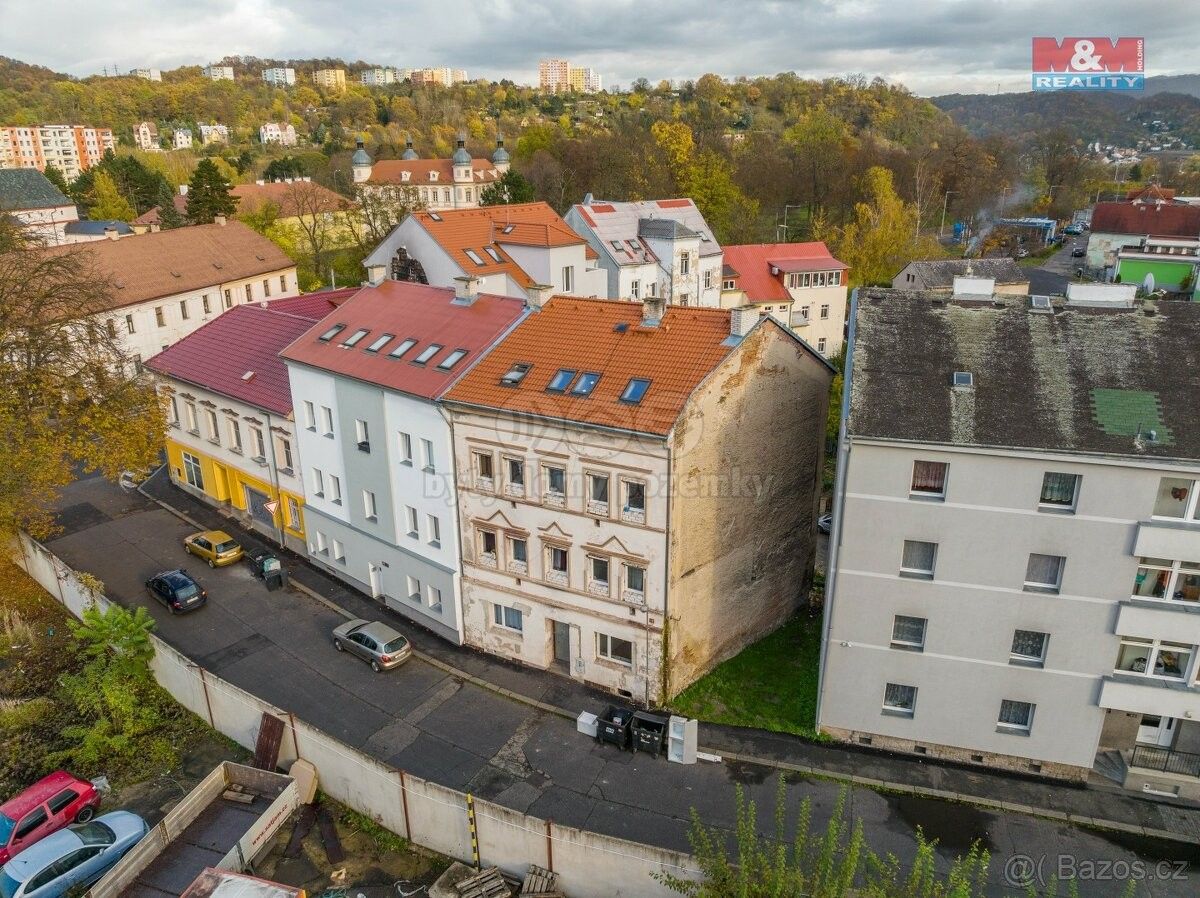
{"points": [[931, 46]]}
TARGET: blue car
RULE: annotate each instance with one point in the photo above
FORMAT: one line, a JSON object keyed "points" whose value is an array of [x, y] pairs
{"points": [[76, 856]]}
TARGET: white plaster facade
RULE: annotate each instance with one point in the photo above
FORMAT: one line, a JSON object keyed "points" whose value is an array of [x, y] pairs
{"points": [[282, 133]]}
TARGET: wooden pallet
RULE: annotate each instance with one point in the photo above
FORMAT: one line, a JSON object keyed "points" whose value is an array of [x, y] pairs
{"points": [[539, 883], [487, 884]]}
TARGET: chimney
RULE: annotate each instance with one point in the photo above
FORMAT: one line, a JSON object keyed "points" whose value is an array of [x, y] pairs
{"points": [[741, 319], [466, 289], [219, 219], [155, 227], [376, 274], [537, 294], [653, 309], [111, 232], [183, 188]]}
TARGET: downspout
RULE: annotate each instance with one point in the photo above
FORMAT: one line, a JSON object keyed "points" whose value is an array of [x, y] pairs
{"points": [[459, 604], [839, 502], [665, 674], [270, 447]]}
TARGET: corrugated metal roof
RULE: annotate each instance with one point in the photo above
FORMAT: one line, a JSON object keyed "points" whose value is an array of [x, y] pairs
{"points": [[622, 222]]}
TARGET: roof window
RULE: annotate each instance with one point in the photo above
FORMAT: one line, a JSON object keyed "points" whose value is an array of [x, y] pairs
{"points": [[331, 333], [452, 359], [560, 381], [635, 389], [491, 251], [586, 383], [427, 353], [380, 342], [507, 229], [353, 339], [474, 257], [964, 379], [515, 374], [402, 348], [435, 216]]}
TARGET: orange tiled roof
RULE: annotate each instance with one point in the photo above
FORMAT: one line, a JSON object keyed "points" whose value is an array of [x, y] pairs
{"points": [[389, 171], [491, 228], [751, 264], [604, 337], [294, 199]]}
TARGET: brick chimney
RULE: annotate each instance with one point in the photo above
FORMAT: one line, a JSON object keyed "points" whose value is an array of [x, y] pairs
{"points": [[466, 289], [537, 295], [653, 309]]}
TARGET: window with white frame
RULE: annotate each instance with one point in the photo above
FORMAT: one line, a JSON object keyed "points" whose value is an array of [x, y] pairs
{"points": [[406, 449], [635, 289], [598, 568], [1015, 717], [1059, 491], [327, 420], [918, 559], [635, 582], [1160, 578], [369, 508], [192, 472], [322, 543], [824, 310], [899, 700], [708, 279], [507, 617], [821, 344], [427, 455], [1043, 573], [518, 555], [310, 416], [908, 632], [433, 596], [293, 508], [235, 434], [318, 479], [487, 548], [335, 489], [414, 589], [568, 278], [1176, 498], [362, 435], [283, 453], [929, 479], [633, 501], [210, 419], [597, 494], [612, 648], [1155, 658], [1029, 647], [554, 484], [173, 412], [514, 476], [484, 470], [257, 446], [557, 559], [433, 530], [411, 516], [339, 549]]}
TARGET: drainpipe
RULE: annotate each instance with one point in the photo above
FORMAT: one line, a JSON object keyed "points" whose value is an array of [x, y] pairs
{"points": [[665, 673], [455, 519], [839, 502], [270, 452]]}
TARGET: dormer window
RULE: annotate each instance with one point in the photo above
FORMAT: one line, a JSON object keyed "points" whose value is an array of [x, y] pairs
{"points": [[433, 176], [405, 176]]}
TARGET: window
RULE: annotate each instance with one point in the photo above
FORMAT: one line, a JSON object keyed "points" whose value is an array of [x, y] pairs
{"points": [[62, 800], [1028, 647], [824, 310], [1043, 573], [474, 257], [210, 420], [327, 420], [635, 289], [633, 501], [652, 289], [362, 435], [557, 559], [229, 299], [339, 550], [908, 632], [610, 648], [635, 580], [555, 480], [235, 434], [433, 530], [293, 508], [355, 338], [683, 299], [515, 374], [379, 342], [598, 493], [518, 555], [729, 284], [404, 347], [318, 483], [484, 469], [1158, 578], [174, 413], [110, 327], [804, 313], [1176, 498], [30, 822], [899, 700], [310, 416], [406, 456], [414, 589], [369, 508], [266, 287], [451, 360], [514, 470], [808, 279], [427, 455], [708, 279], [257, 445], [1059, 490], [331, 333], [821, 343], [835, 278], [586, 383], [412, 521], [560, 381], [433, 596], [192, 472], [1015, 717], [598, 573], [491, 251], [249, 293], [205, 305], [335, 489], [427, 353], [183, 310], [685, 263], [159, 317], [1154, 658], [568, 278], [509, 618], [283, 283], [635, 390], [487, 546], [918, 559], [929, 479]]}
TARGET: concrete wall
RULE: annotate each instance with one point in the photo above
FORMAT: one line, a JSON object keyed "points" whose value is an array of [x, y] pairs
{"points": [[590, 865]]}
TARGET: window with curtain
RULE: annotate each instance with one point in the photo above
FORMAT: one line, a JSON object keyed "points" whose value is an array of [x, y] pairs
{"points": [[1044, 571], [900, 699], [908, 631], [1015, 715], [1029, 645], [918, 558], [1059, 489], [929, 478]]}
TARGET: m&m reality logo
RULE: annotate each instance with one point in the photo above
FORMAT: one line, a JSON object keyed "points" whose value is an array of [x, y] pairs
{"points": [[1089, 63]]}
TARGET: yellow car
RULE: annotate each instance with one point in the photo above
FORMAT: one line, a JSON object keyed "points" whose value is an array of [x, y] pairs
{"points": [[216, 547]]}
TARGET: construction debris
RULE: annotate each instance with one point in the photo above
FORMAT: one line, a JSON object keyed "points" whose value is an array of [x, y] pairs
{"points": [[540, 883], [487, 883]]}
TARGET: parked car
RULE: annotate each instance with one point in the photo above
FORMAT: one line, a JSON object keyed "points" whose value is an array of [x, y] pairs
{"points": [[45, 807], [376, 643], [216, 547], [72, 857], [825, 523], [177, 590], [1078, 252]]}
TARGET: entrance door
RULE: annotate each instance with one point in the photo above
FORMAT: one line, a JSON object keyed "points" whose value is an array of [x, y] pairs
{"points": [[562, 645], [1156, 730], [256, 503], [375, 575]]}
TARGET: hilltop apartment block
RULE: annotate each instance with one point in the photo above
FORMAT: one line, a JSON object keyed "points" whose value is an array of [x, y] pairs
{"points": [[72, 149]]}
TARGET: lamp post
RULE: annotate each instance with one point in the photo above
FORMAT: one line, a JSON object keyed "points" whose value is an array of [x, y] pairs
{"points": [[784, 226], [945, 203]]}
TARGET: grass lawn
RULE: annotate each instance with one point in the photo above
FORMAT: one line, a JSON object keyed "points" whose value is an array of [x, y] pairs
{"points": [[771, 685]]}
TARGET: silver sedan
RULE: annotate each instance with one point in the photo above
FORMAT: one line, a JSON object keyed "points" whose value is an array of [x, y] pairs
{"points": [[378, 644]]}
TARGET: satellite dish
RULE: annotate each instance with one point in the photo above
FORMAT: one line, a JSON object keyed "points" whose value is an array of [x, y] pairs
{"points": [[1148, 282]]}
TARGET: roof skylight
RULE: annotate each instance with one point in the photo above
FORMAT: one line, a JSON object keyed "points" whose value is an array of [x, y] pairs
{"points": [[435, 216], [586, 383], [353, 339], [635, 389], [380, 342], [507, 229], [331, 333], [402, 348], [474, 257], [560, 381], [451, 360], [491, 251], [515, 374], [427, 353]]}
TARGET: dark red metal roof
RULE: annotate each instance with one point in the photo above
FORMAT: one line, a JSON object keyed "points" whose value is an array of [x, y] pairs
{"points": [[314, 305], [1154, 219]]}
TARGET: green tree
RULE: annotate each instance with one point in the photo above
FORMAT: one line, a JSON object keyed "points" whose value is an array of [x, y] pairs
{"points": [[55, 176], [107, 204], [284, 167], [511, 188], [168, 215], [209, 194]]}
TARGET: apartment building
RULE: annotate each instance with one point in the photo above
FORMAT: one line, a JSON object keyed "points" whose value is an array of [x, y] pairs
{"points": [[1116, 225], [443, 76], [378, 76], [41, 209], [1014, 573], [938, 275], [147, 74], [214, 133], [218, 72], [166, 284], [627, 471], [381, 508], [330, 79], [653, 248], [558, 75], [512, 250], [280, 76], [584, 80], [72, 149], [802, 284], [439, 184], [145, 137], [282, 133]]}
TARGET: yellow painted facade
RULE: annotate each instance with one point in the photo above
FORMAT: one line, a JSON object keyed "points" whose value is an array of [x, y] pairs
{"points": [[224, 483]]}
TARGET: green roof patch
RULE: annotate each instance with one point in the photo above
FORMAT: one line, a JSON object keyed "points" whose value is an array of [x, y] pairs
{"points": [[1129, 413]]}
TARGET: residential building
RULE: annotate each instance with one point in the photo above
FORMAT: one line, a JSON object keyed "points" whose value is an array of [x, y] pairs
{"points": [[165, 284], [218, 72], [282, 133], [1011, 580], [1115, 225], [145, 137], [147, 74], [584, 80], [938, 275], [801, 284], [280, 76], [596, 516], [72, 149], [213, 133], [378, 76], [1161, 263], [330, 79], [40, 208], [444, 76], [181, 139], [512, 250], [230, 428], [454, 183], [558, 75], [381, 510], [651, 248]]}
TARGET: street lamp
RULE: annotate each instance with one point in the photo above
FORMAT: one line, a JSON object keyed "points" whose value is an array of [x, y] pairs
{"points": [[784, 226], [945, 203]]}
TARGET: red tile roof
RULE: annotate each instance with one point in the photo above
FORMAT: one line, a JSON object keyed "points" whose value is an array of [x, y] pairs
{"points": [[389, 171], [1157, 220], [294, 199], [605, 337], [314, 305], [753, 261], [428, 315], [247, 338]]}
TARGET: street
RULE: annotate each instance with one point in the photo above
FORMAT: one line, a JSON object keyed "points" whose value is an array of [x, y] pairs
{"points": [[451, 731], [1051, 277]]}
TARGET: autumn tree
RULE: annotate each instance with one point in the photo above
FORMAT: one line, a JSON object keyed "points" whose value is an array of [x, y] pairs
{"points": [[70, 397], [209, 194], [107, 203], [320, 220], [379, 208], [55, 176], [510, 188]]}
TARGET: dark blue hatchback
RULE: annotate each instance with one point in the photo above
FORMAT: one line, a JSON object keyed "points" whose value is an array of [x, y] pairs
{"points": [[177, 590]]}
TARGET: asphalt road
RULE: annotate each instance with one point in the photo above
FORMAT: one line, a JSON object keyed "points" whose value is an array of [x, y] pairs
{"points": [[1052, 276], [435, 726]]}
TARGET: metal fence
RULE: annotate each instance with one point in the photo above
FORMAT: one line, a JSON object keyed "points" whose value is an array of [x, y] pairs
{"points": [[1166, 760]]}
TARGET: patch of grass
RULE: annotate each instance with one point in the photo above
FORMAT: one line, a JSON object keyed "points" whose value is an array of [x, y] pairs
{"points": [[770, 685], [384, 838]]}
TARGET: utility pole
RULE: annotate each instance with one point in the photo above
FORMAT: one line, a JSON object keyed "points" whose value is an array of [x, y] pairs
{"points": [[945, 203]]}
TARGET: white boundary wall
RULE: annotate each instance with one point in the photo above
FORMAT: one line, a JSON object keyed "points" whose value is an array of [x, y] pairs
{"points": [[589, 865]]}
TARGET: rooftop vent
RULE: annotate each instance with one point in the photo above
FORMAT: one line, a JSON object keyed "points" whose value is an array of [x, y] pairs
{"points": [[1040, 303], [963, 380], [248, 376]]}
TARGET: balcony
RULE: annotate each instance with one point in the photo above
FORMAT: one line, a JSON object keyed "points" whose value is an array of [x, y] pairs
{"points": [[1166, 619], [1139, 694], [1166, 538]]}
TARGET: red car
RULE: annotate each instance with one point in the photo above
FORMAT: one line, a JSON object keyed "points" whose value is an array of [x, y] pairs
{"points": [[45, 807]]}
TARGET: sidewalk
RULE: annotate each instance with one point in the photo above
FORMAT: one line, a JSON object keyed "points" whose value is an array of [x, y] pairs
{"points": [[1105, 807]]}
